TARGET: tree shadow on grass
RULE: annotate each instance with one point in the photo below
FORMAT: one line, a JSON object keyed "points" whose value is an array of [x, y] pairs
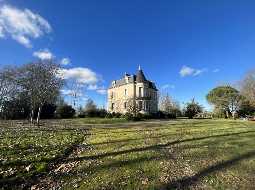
{"points": [[156, 137], [64, 158], [153, 147], [147, 148], [26, 180], [109, 166], [131, 139], [186, 182]]}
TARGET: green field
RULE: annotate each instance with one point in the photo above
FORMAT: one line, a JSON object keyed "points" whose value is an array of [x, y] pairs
{"points": [[177, 154]]}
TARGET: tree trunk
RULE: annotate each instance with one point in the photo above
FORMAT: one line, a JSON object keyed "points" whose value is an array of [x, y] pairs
{"points": [[234, 115], [227, 114], [32, 116], [38, 115]]}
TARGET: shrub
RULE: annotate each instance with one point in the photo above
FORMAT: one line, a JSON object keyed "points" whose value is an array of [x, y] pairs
{"points": [[101, 112], [108, 115], [81, 115], [118, 115], [48, 111], [128, 116], [65, 111]]}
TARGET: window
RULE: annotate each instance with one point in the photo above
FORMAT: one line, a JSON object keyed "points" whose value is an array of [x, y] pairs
{"points": [[111, 95], [140, 91], [125, 105], [112, 106], [125, 92], [140, 105]]}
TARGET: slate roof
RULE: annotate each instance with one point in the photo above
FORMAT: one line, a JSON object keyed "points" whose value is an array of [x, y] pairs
{"points": [[138, 78]]}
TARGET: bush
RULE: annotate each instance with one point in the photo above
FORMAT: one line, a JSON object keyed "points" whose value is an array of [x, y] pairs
{"points": [[147, 116], [162, 115], [108, 115], [118, 115], [95, 113], [140, 116], [81, 115], [65, 111], [128, 116], [101, 112], [48, 111]]}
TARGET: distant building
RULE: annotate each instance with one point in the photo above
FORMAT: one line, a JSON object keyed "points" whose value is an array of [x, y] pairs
{"points": [[133, 90]]}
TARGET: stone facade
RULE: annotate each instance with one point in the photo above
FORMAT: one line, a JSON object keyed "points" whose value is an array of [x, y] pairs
{"points": [[133, 91]]}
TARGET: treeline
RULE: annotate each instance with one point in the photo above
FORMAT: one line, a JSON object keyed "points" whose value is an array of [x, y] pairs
{"points": [[90, 110], [32, 91], [170, 107]]}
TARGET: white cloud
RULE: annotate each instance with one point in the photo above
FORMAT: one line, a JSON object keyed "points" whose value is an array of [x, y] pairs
{"points": [[92, 87], [101, 91], [66, 92], [216, 70], [22, 40], [189, 71], [22, 25], [186, 71], [65, 61], [198, 72], [43, 54], [1, 32], [81, 75], [168, 86], [71, 93]]}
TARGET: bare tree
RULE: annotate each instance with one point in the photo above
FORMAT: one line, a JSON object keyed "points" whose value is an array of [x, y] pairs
{"points": [[75, 91], [8, 85], [248, 87], [132, 107], [168, 105], [41, 83]]}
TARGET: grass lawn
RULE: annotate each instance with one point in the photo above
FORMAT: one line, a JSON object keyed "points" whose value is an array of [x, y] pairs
{"points": [[178, 154], [98, 120]]}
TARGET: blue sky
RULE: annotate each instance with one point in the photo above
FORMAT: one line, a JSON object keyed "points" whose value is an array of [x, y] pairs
{"points": [[186, 47]]}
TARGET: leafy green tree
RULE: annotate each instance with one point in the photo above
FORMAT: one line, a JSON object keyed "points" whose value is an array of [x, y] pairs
{"points": [[15, 108], [90, 105], [48, 111], [90, 108], [225, 98], [192, 108], [65, 111]]}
